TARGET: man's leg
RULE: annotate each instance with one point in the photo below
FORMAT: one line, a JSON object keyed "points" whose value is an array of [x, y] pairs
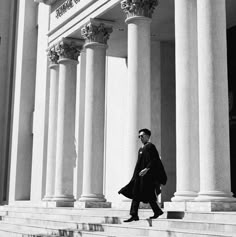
{"points": [[156, 209], [134, 208], [133, 211]]}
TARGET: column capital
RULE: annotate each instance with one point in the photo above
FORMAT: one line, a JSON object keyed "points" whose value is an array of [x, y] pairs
{"points": [[69, 48], [96, 31], [143, 8], [52, 55]]}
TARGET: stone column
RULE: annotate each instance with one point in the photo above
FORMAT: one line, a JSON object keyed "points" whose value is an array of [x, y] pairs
{"points": [[40, 115], [68, 51], [7, 44], [23, 101], [213, 102], [187, 145], [79, 124], [52, 124], [139, 73], [96, 35]]}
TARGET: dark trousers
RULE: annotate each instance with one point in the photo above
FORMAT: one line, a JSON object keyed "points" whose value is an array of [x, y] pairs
{"points": [[135, 205]]}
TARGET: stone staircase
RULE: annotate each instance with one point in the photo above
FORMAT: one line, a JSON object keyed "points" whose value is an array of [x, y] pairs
{"points": [[108, 222]]}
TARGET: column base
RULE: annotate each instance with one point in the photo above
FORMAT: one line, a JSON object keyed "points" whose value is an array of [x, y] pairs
{"points": [[215, 196], [211, 206], [59, 204], [92, 201], [92, 198], [92, 204], [62, 201], [200, 206], [184, 196], [47, 198]]}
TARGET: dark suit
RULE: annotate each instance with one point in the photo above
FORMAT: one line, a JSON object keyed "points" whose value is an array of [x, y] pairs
{"points": [[144, 188]]}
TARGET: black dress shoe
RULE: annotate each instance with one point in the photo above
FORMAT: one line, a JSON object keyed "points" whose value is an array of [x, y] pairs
{"points": [[156, 215], [132, 218]]}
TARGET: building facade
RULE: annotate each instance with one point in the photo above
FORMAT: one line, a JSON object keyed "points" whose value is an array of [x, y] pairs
{"points": [[79, 78]]}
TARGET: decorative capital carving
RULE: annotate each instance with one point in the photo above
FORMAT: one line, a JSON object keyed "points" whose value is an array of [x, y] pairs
{"points": [[139, 7], [52, 55], [69, 48], [47, 2], [96, 31]]}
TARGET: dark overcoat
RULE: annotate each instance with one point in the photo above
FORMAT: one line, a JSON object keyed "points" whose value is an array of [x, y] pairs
{"points": [[144, 188]]}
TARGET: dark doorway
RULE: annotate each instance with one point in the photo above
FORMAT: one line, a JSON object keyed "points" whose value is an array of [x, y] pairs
{"points": [[231, 51]]}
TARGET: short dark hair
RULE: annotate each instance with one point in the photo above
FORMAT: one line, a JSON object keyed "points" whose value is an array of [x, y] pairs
{"points": [[146, 131]]}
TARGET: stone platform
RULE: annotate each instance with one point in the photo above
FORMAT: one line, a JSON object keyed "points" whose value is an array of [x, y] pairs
{"points": [[200, 206], [108, 222]]}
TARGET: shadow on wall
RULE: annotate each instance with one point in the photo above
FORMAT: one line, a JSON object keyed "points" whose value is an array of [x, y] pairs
{"points": [[168, 115], [231, 52]]}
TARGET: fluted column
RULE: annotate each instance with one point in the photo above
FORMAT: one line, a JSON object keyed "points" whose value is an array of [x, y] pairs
{"points": [[52, 124], [68, 51], [79, 124], [23, 99], [187, 145], [138, 114], [96, 35], [213, 102]]}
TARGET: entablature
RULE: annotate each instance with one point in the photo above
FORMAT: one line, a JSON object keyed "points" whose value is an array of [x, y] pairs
{"points": [[67, 17], [48, 2]]}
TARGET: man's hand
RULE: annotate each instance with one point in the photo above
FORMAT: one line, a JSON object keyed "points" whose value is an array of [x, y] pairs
{"points": [[143, 172]]}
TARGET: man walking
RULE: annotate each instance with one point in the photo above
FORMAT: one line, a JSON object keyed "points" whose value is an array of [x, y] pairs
{"points": [[148, 175]]}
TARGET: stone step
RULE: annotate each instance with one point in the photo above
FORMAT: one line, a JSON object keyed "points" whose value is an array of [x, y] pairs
{"points": [[91, 217], [64, 218], [75, 213], [51, 225], [3, 213], [186, 224], [160, 222], [42, 223], [213, 216], [120, 230], [110, 231], [104, 234], [72, 211], [14, 231], [93, 222], [7, 232], [81, 216], [74, 224], [36, 229]]}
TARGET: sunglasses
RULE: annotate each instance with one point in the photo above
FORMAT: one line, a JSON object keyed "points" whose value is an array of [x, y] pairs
{"points": [[141, 136]]}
